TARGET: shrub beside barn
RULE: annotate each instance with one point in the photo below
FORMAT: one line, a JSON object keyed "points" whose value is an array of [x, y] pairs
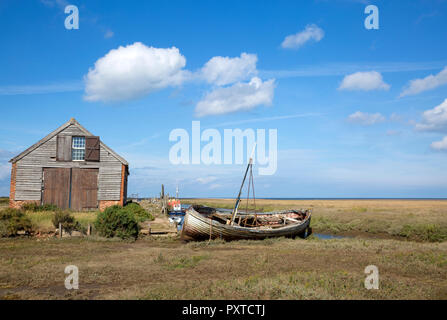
{"points": [[70, 168]]}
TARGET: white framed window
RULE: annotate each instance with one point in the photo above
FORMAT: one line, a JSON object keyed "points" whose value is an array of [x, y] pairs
{"points": [[78, 149]]}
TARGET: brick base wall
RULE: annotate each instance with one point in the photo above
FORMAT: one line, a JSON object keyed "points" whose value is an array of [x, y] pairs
{"points": [[19, 203], [107, 203], [12, 188], [102, 203]]}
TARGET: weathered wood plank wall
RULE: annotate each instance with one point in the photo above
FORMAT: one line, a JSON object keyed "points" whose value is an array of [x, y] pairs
{"points": [[29, 169]]}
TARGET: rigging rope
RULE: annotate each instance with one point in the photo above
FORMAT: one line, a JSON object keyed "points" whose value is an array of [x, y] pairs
{"points": [[252, 185]]}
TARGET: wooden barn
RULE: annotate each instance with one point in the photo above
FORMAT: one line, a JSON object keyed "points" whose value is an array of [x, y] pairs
{"points": [[70, 168]]}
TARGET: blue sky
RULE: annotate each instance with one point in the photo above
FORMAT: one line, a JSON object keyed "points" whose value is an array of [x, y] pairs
{"points": [[354, 108]]}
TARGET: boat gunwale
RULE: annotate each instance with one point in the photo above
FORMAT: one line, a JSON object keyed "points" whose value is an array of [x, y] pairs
{"points": [[206, 220]]}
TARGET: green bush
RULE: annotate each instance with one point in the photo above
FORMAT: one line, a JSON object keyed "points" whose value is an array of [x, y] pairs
{"points": [[3, 229], [34, 207], [29, 206], [48, 207], [67, 221], [116, 221], [140, 213], [12, 221]]}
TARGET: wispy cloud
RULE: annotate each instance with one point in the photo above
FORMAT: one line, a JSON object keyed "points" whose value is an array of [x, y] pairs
{"points": [[426, 16], [440, 145], [206, 180], [366, 119], [41, 88], [393, 132], [321, 70], [283, 117], [143, 141], [395, 117], [108, 34], [55, 3], [341, 69], [5, 167], [215, 186], [5, 154], [428, 83], [311, 33], [5, 170]]}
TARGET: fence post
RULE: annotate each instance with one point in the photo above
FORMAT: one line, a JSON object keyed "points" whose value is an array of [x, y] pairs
{"points": [[60, 230]]}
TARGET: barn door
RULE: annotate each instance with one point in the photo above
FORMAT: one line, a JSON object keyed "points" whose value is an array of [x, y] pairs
{"points": [[84, 189], [56, 189]]}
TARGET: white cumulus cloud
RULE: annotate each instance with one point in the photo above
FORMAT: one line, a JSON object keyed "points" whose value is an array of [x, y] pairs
{"points": [[440, 145], [240, 96], [311, 33], [226, 70], [366, 81], [434, 119], [134, 71], [428, 83], [366, 119]]}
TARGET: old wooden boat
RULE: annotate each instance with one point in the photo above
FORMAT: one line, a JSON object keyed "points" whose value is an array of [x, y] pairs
{"points": [[201, 223]]}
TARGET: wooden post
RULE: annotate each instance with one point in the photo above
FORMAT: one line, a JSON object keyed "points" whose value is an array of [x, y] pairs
{"points": [[162, 199], [60, 230], [89, 229], [165, 205]]}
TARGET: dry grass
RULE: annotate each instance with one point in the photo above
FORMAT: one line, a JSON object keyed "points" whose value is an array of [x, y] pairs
{"points": [[155, 268], [166, 268], [422, 220], [4, 202], [41, 220], [153, 209]]}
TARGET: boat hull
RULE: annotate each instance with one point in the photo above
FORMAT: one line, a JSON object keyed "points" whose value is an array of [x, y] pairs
{"points": [[198, 227]]}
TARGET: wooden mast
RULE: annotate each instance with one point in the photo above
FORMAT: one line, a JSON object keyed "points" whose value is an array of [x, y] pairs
{"points": [[238, 200]]}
